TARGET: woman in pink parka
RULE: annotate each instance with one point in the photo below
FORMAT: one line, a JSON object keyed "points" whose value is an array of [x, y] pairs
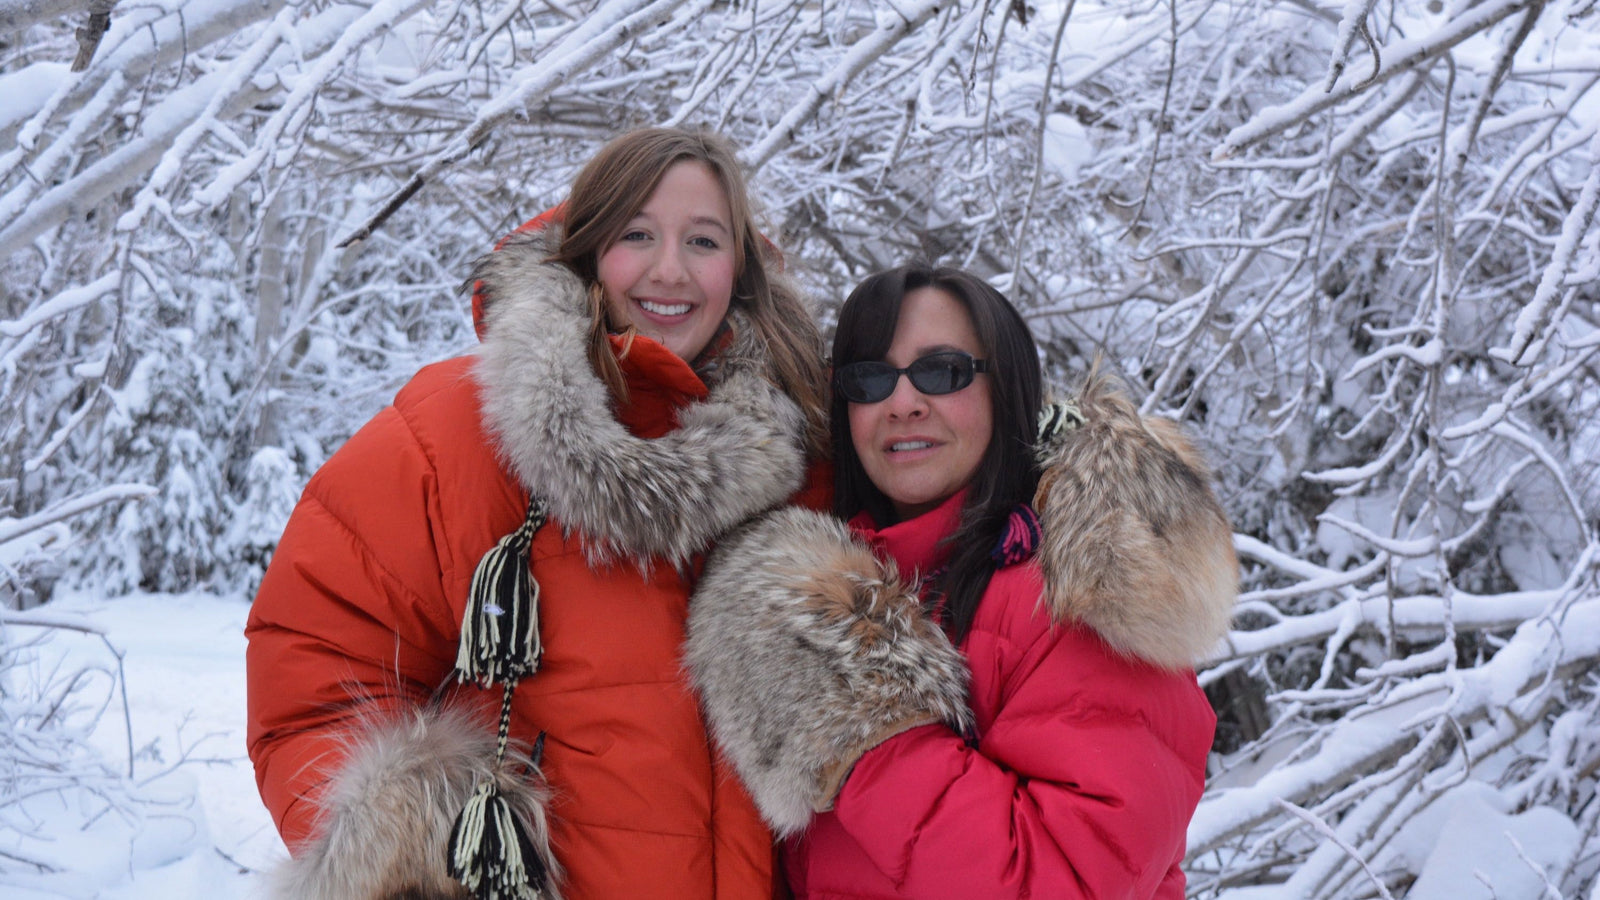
{"points": [[980, 682]]}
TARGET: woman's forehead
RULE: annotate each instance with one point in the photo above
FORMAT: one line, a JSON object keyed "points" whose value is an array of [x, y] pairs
{"points": [[689, 191], [932, 319]]}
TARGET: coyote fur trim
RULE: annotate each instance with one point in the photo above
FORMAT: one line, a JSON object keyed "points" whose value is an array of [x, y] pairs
{"points": [[1135, 544], [388, 810], [734, 454], [807, 652]]}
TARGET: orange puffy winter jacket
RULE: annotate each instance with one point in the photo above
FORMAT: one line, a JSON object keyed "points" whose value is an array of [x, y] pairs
{"points": [[359, 615]]}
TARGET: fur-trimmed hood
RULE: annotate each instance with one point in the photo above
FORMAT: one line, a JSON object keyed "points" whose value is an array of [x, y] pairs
{"points": [[734, 454]]}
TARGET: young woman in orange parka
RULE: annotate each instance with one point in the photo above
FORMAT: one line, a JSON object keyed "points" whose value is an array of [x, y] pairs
{"points": [[649, 376]]}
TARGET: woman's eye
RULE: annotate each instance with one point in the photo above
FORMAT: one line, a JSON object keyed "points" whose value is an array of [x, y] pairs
{"points": [[704, 243], [634, 235]]}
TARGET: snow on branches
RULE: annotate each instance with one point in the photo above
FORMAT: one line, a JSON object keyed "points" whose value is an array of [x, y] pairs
{"points": [[1351, 244]]}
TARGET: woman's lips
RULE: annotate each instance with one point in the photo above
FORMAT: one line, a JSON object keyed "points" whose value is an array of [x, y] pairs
{"points": [[910, 448], [665, 309]]}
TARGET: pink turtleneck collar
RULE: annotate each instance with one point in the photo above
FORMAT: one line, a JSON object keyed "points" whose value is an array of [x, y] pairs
{"points": [[916, 545]]}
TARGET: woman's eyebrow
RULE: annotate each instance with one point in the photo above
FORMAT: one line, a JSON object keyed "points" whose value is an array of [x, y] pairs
{"points": [[712, 221]]}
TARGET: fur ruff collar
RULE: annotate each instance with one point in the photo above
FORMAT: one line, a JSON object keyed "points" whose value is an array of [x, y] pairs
{"points": [[735, 454]]}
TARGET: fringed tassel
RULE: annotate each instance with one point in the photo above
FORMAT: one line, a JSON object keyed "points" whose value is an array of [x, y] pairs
{"points": [[1055, 420], [490, 853], [489, 850], [1020, 538], [500, 629]]}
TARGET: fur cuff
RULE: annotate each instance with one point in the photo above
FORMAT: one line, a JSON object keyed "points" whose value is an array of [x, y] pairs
{"points": [[735, 454], [806, 652], [1135, 544], [388, 811]]}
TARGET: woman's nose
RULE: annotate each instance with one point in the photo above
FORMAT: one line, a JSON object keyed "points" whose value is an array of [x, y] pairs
{"points": [[906, 402], [668, 267]]}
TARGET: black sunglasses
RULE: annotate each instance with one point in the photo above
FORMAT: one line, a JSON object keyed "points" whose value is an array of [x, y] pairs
{"points": [[944, 372]]}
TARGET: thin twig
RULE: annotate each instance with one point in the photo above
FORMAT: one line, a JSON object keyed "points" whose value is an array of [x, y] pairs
{"points": [[1038, 143], [1163, 124]]}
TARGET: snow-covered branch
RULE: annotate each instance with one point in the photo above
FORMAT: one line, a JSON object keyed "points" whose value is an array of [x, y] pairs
{"points": [[1351, 246], [11, 529]]}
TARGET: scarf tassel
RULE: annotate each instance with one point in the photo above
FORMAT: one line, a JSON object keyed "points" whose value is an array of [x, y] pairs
{"points": [[500, 630], [490, 853]]}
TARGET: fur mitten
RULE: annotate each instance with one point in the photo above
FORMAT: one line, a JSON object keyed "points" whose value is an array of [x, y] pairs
{"points": [[807, 652], [1135, 544], [388, 810]]}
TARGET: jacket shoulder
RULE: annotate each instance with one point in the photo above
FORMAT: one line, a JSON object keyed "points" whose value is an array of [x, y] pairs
{"points": [[1030, 667], [1022, 631], [442, 408], [446, 390], [415, 495]]}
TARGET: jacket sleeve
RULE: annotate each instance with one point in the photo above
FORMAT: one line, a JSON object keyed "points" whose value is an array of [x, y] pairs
{"points": [[1082, 785], [351, 622]]}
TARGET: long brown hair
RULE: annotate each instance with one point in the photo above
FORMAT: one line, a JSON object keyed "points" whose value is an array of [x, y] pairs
{"points": [[608, 193]]}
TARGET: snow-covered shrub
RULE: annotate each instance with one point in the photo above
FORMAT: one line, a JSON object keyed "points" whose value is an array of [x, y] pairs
{"points": [[272, 486], [1351, 245], [76, 821]]}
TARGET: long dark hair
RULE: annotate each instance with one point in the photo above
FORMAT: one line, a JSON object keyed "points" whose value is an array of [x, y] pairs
{"points": [[1007, 474]]}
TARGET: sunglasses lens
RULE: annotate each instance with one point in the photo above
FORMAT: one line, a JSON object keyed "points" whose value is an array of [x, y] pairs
{"points": [[934, 374], [941, 373], [866, 382]]}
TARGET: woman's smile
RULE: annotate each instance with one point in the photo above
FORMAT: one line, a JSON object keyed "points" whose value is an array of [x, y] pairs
{"points": [[657, 309]]}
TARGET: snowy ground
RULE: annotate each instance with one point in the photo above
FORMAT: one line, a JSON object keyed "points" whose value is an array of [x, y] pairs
{"points": [[193, 826], [198, 829]]}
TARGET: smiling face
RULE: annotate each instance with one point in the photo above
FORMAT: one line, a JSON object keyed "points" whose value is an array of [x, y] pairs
{"points": [[670, 272], [919, 450]]}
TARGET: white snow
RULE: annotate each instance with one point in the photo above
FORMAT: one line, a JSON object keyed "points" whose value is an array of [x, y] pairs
{"points": [[191, 825], [1067, 146], [1469, 846], [22, 91]]}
